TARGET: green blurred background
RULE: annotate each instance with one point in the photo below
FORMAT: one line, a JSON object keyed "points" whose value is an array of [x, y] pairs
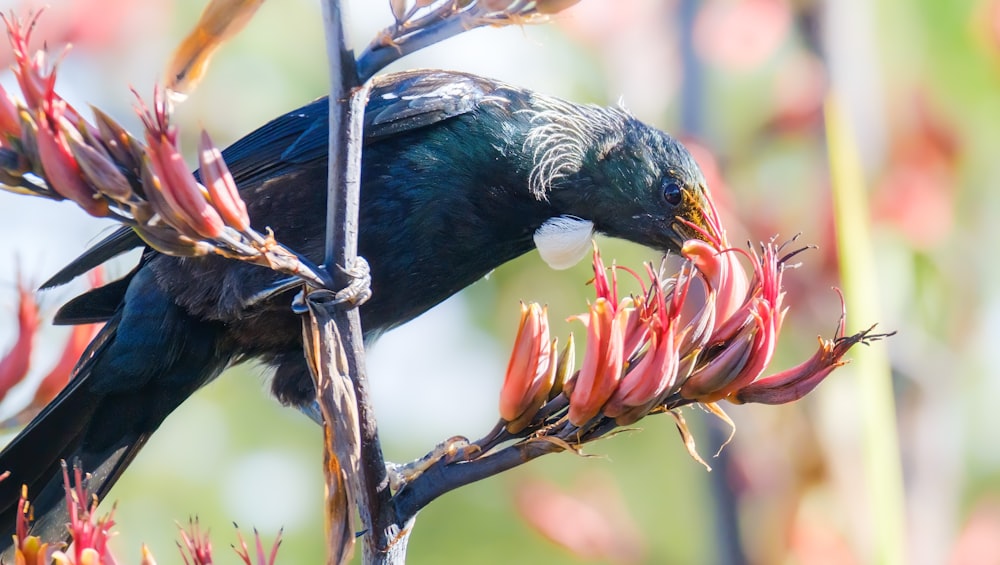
{"points": [[742, 81]]}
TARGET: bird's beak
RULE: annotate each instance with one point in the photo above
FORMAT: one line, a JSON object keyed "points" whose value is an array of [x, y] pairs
{"points": [[693, 219]]}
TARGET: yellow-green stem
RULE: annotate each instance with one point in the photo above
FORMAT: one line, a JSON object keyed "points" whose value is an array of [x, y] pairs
{"points": [[883, 471]]}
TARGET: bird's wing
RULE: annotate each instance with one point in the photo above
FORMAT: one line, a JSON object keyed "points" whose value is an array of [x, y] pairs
{"points": [[404, 102], [97, 305], [121, 241], [398, 103]]}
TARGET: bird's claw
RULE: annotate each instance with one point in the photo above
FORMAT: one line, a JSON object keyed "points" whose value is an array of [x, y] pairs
{"points": [[451, 450], [356, 293], [359, 290]]}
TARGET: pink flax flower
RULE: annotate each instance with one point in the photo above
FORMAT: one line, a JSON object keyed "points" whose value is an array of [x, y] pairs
{"points": [[605, 355], [184, 203], [531, 371], [649, 353], [15, 364]]}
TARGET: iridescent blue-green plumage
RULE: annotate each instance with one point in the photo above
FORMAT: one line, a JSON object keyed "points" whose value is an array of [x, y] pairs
{"points": [[458, 174]]}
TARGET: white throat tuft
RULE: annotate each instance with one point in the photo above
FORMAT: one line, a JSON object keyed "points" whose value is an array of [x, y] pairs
{"points": [[563, 240]]}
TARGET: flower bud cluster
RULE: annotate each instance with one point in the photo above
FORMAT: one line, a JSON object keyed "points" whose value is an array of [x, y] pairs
{"points": [[48, 149], [659, 350], [89, 533]]}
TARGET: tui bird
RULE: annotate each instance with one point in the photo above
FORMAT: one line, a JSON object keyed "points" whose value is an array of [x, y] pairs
{"points": [[460, 174]]}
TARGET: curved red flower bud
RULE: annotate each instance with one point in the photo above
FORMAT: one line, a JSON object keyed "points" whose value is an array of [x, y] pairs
{"points": [[530, 371], [15, 364], [721, 368], [726, 277], [603, 361], [221, 186], [646, 382], [99, 170], [565, 365], [30, 70], [10, 122], [179, 187], [768, 314], [55, 381], [26, 69], [743, 343], [794, 383], [61, 170], [152, 188], [655, 374]]}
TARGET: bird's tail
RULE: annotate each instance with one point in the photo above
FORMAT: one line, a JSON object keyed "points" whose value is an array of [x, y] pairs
{"points": [[99, 422], [64, 431]]}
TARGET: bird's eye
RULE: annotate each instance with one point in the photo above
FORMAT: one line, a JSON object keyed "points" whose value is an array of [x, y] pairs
{"points": [[671, 191]]}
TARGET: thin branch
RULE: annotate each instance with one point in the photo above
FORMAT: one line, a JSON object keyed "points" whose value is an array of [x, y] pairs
{"points": [[427, 23], [344, 175], [552, 433], [440, 479], [379, 55]]}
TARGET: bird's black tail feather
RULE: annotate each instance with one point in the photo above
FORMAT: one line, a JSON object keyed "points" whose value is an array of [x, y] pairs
{"points": [[123, 389], [65, 431]]}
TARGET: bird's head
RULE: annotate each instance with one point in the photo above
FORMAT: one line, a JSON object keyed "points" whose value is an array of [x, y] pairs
{"points": [[600, 167]]}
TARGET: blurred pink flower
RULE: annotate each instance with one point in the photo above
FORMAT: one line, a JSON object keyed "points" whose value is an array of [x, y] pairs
{"points": [[800, 85], [592, 521], [10, 122], [916, 193], [15, 364], [97, 24], [818, 543], [978, 541], [57, 378], [50, 385], [741, 35]]}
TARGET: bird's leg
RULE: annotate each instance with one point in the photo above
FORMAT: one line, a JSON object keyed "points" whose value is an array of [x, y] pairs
{"points": [[456, 448]]}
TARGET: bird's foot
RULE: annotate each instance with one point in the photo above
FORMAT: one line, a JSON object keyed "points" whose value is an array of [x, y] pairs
{"points": [[356, 293], [451, 450], [359, 290]]}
